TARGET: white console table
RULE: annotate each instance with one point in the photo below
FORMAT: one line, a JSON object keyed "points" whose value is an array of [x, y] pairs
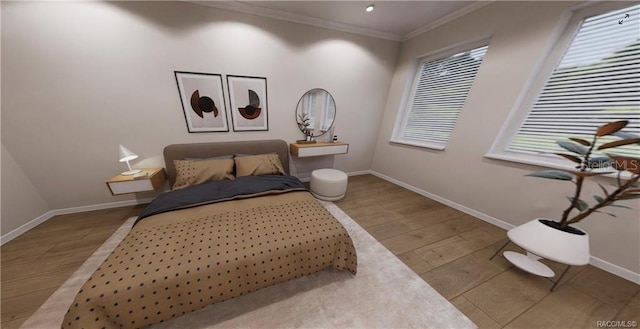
{"points": [[317, 149]]}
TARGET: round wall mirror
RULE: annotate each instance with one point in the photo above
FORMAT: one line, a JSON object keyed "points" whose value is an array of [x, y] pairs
{"points": [[315, 112]]}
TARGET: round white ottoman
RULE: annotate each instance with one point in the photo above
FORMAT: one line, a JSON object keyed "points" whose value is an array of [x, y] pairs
{"points": [[328, 184]]}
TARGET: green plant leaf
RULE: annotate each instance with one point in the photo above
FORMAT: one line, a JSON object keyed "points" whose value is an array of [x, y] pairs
{"points": [[611, 127], [619, 206], [625, 135], [603, 189], [572, 147], [599, 162], [620, 142], [570, 157], [598, 198], [629, 196], [604, 212], [552, 174], [592, 173], [580, 141], [581, 205]]}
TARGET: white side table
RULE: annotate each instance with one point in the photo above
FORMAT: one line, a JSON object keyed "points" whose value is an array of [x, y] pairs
{"points": [[542, 241], [122, 184], [317, 149]]}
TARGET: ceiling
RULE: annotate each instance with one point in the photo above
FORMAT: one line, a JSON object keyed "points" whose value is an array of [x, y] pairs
{"points": [[393, 20]]}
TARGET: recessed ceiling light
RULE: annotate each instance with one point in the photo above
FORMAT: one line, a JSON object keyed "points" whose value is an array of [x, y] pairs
{"points": [[369, 8]]}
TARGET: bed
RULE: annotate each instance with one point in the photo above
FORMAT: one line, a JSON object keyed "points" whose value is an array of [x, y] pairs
{"points": [[213, 241]]}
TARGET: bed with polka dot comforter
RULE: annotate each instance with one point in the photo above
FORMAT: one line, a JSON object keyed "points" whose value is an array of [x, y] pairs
{"points": [[175, 262]]}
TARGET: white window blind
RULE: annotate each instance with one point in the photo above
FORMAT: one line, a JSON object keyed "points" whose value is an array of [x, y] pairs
{"points": [[596, 81], [439, 93]]}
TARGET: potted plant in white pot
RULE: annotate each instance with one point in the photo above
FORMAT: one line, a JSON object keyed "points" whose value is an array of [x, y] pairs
{"points": [[588, 165], [558, 240], [304, 121]]}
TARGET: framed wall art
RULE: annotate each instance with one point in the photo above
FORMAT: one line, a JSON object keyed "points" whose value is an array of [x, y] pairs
{"points": [[202, 98], [248, 102]]}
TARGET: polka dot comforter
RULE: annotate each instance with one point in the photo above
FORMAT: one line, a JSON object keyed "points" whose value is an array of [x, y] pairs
{"points": [[176, 262]]}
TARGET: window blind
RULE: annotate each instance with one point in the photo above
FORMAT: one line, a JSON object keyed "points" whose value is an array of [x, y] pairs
{"points": [[438, 96], [596, 81]]}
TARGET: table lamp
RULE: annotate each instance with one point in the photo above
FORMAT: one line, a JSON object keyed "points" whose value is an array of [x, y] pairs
{"points": [[125, 156]]}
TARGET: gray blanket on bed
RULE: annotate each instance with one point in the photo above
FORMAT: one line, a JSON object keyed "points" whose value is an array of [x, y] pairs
{"points": [[218, 191]]}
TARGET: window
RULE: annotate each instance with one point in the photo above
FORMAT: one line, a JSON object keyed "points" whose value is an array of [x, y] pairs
{"points": [[438, 94], [595, 81]]}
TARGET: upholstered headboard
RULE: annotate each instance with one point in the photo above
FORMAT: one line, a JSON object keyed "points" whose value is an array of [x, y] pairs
{"points": [[207, 150]]}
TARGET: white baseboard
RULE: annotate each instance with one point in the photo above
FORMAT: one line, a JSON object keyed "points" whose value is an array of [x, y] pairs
{"points": [[351, 173], [464, 209], [25, 227], [101, 206], [46, 216], [615, 269], [359, 172], [595, 261]]}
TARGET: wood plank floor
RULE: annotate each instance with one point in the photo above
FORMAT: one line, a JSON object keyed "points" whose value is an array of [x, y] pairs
{"points": [[447, 248], [36, 263]]}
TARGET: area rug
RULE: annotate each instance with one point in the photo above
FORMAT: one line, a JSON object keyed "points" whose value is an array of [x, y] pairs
{"points": [[384, 294]]}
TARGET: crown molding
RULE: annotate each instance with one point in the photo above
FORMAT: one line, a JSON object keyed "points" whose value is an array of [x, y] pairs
{"points": [[447, 18], [297, 18], [251, 9]]}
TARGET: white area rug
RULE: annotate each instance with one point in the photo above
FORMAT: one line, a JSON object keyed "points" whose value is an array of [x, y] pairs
{"points": [[384, 294]]}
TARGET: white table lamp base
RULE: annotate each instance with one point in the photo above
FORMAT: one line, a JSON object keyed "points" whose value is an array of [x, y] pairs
{"points": [[131, 172]]}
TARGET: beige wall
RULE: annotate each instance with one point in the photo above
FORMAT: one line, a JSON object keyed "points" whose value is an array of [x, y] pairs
{"points": [[520, 33], [21, 201], [81, 78]]}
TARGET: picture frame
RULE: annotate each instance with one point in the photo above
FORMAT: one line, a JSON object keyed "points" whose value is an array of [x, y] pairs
{"points": [[248, 103], [203, 104]]}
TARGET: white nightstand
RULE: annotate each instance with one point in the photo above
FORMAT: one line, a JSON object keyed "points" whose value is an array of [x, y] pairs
{"points": [[123, 184], [318, 149]]}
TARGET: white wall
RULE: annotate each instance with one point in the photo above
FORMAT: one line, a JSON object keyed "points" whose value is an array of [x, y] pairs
{"points": [[21, 201], [79, 78], [521, 31]]}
